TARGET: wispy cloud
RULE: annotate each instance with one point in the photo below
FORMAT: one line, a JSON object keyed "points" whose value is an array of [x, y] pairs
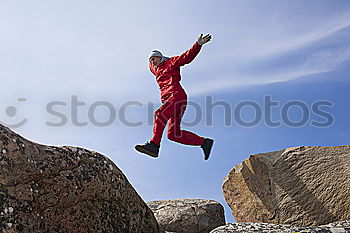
{"points": [[327, 59], [267, 44], [300, 41], [318, 50], [225, 83]]}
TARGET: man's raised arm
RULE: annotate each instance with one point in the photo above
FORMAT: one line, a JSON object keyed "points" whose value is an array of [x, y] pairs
{"points": [[190, 54]]}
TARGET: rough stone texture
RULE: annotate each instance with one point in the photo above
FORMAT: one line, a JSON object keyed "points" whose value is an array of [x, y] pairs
{"points": [[188, 215], [345, 224], [65, 189], [304, 186], [274, 228]]}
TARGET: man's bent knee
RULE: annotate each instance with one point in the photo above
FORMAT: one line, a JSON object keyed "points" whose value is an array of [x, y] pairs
{"points": [[174, 135]]}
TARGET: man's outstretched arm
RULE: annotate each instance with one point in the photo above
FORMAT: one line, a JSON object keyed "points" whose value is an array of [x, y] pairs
{"points": [[190, 54]]}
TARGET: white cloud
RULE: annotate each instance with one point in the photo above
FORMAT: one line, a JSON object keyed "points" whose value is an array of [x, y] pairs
{"points": [[278, 39], [327, 59], [225, 83], [262, 50]]}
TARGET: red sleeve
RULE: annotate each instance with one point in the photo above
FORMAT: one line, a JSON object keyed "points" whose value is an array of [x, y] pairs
{"points": [[187, 56], [151, 68]]}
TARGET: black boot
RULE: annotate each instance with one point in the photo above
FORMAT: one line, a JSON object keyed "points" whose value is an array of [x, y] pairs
{"points": [[149, 148], [206, 146]]}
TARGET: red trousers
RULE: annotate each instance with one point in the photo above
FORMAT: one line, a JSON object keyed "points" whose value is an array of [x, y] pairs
{"points": [[172, 110]]}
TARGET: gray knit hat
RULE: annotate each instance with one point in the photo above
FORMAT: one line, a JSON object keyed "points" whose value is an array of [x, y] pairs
{"points": [[155, 53]]}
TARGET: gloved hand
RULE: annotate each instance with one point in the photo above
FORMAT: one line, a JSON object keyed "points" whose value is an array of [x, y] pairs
{"points": [[202, 40]]}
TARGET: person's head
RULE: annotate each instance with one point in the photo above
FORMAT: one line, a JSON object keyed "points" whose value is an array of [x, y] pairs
{"points": [[155, 57]]}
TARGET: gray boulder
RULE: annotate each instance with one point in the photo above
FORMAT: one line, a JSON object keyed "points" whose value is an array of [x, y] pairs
{"points": [[65, 189], [188, 215], [275, 228], [304, 186]]}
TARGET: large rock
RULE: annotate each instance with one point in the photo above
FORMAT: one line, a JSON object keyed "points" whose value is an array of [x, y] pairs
{"points": [[188, 215], [65, 189], [276, 228], [305, 186]]}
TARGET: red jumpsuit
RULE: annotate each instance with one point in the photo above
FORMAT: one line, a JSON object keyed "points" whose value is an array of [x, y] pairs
{"points": [[174, 99]]}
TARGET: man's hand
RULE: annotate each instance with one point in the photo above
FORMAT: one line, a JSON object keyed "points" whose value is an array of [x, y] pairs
{"points": [[202, 40]]}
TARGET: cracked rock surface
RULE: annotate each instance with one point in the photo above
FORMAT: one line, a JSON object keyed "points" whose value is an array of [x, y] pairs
{"points": [[188, 215], [65, 189], [243, 227], [303, 186]]}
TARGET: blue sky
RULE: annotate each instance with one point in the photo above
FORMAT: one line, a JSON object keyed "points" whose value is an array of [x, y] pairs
{"points": [[97, 51]]}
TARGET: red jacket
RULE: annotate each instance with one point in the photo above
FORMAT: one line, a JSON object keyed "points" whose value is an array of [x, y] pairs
{"points": [[168, 72]]}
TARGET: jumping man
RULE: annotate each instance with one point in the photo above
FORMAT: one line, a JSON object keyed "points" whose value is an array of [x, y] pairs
{"points": [[174, 101]]}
